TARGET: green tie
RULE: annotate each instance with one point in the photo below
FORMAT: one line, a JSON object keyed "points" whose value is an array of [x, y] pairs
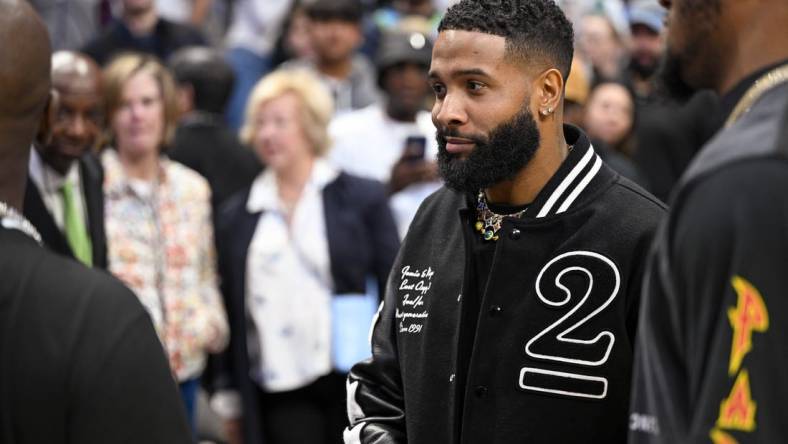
{"points": [[76, 234]]}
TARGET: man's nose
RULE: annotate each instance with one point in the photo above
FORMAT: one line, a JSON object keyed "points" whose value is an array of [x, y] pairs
{"points": [[449, 112]]}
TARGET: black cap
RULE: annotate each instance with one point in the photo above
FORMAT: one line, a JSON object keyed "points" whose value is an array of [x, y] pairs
{"points": [[401, 47], [345, 10]]}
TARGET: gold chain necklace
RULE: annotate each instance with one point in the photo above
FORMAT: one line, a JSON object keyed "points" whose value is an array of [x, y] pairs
{"points": [[768, 81], [489, 222]]}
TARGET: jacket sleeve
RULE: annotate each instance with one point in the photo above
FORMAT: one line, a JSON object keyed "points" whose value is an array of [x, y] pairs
{"points": [[374, 388], [224, 371], [711, 358]]}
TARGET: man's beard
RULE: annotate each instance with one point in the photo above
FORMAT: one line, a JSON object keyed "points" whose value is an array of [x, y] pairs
{"points": [[671, 80], [496, 158], [684, 71], [644, 70]]}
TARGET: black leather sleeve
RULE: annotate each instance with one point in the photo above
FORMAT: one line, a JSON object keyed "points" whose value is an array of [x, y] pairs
{"points": [[374, 388]]}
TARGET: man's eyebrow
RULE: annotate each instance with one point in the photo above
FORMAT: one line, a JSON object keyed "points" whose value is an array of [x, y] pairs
{"points": [[462, 73]]}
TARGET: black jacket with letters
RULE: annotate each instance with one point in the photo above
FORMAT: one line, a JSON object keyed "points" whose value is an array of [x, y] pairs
{"points": [[552, 353]]}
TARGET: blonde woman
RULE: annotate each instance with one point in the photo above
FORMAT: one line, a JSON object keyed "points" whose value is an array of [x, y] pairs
{"points": [[303, 240], [158, 220]]}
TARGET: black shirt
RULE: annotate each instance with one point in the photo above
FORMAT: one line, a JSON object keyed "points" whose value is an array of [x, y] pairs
{"points": [[80, 361], [482, 254], [731, 98], [711, 344]]}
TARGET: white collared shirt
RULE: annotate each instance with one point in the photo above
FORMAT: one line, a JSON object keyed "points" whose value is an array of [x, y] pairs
{"points": [[50, 184], [289, 284]]}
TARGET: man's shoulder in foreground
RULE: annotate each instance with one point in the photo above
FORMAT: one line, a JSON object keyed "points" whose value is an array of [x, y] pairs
{"points": [[86, 360]]}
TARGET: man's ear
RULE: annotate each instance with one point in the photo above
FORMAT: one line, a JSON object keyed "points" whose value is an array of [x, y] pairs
{"points": [[44, 134], [549, 91]]}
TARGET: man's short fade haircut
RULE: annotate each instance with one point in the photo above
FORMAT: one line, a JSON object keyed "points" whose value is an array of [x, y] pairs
{"points": [[533, 29]]}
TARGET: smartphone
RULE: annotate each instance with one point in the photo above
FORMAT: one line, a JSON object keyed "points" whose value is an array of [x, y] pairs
{"points": [[414, 148]]}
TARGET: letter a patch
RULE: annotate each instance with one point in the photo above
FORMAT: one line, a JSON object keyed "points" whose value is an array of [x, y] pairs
{"points": [[749, 315], [737, 411], [719, 437]]}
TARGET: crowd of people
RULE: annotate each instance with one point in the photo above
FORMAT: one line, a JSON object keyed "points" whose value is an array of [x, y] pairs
{"points": [[270, 178]]}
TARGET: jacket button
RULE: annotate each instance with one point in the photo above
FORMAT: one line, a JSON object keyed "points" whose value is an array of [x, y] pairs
{"points": [[495, 310], [514, 234], [480, 391]]}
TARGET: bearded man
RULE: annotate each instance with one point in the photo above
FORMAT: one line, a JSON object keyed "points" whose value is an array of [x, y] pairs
{"points": [[511, 310], [712, 341]]}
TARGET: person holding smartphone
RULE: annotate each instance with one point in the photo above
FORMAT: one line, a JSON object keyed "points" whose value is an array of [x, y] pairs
{"points": [[394, 142]]}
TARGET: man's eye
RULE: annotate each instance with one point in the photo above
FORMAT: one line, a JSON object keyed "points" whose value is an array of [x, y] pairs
{"points": [[475, 86], [438, 89]]}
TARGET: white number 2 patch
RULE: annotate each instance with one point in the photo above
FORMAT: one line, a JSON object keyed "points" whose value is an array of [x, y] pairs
{"points": [[557, 342]]}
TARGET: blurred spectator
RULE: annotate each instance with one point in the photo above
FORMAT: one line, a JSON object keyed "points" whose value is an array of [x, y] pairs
{"points": [[63, 198], [610, 116], [79, 360], [296, 252], [614, 10], [670, 134], [294, 42], [373, 142], [192, 12], [610, 122], [140, 29], [409, 16], [158, 220], [335, 34], [202, 141], [71, 23], [601, 46], [646, 19], [576, 95], [253, 32]]}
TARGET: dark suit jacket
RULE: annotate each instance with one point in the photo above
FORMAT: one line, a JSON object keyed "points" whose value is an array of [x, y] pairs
{"points": [[167, 38], [362, 241], [205, 144], [37, 213], [79, 358]]}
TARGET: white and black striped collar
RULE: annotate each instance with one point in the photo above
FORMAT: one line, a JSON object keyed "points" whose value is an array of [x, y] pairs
{"points": [[573, 178], [581, 173]]}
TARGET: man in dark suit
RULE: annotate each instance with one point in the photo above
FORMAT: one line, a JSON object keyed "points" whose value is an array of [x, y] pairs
{"points": [[79, 359], [203, 142], [64, 199]]}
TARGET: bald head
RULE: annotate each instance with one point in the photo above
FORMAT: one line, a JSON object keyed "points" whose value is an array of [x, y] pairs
{"points": [[24, 65], [78, 121], [24, 90], [75, 71]]}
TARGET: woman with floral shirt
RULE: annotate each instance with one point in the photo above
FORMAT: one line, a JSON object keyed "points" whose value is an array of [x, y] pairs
{"points": [[158, 220]]}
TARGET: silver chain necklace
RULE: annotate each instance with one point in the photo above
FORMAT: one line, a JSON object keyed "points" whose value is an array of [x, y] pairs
{"points": [[12, 220]]}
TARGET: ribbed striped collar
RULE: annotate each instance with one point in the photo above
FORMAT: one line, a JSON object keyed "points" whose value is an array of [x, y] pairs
{"points": [[572, 182]]}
